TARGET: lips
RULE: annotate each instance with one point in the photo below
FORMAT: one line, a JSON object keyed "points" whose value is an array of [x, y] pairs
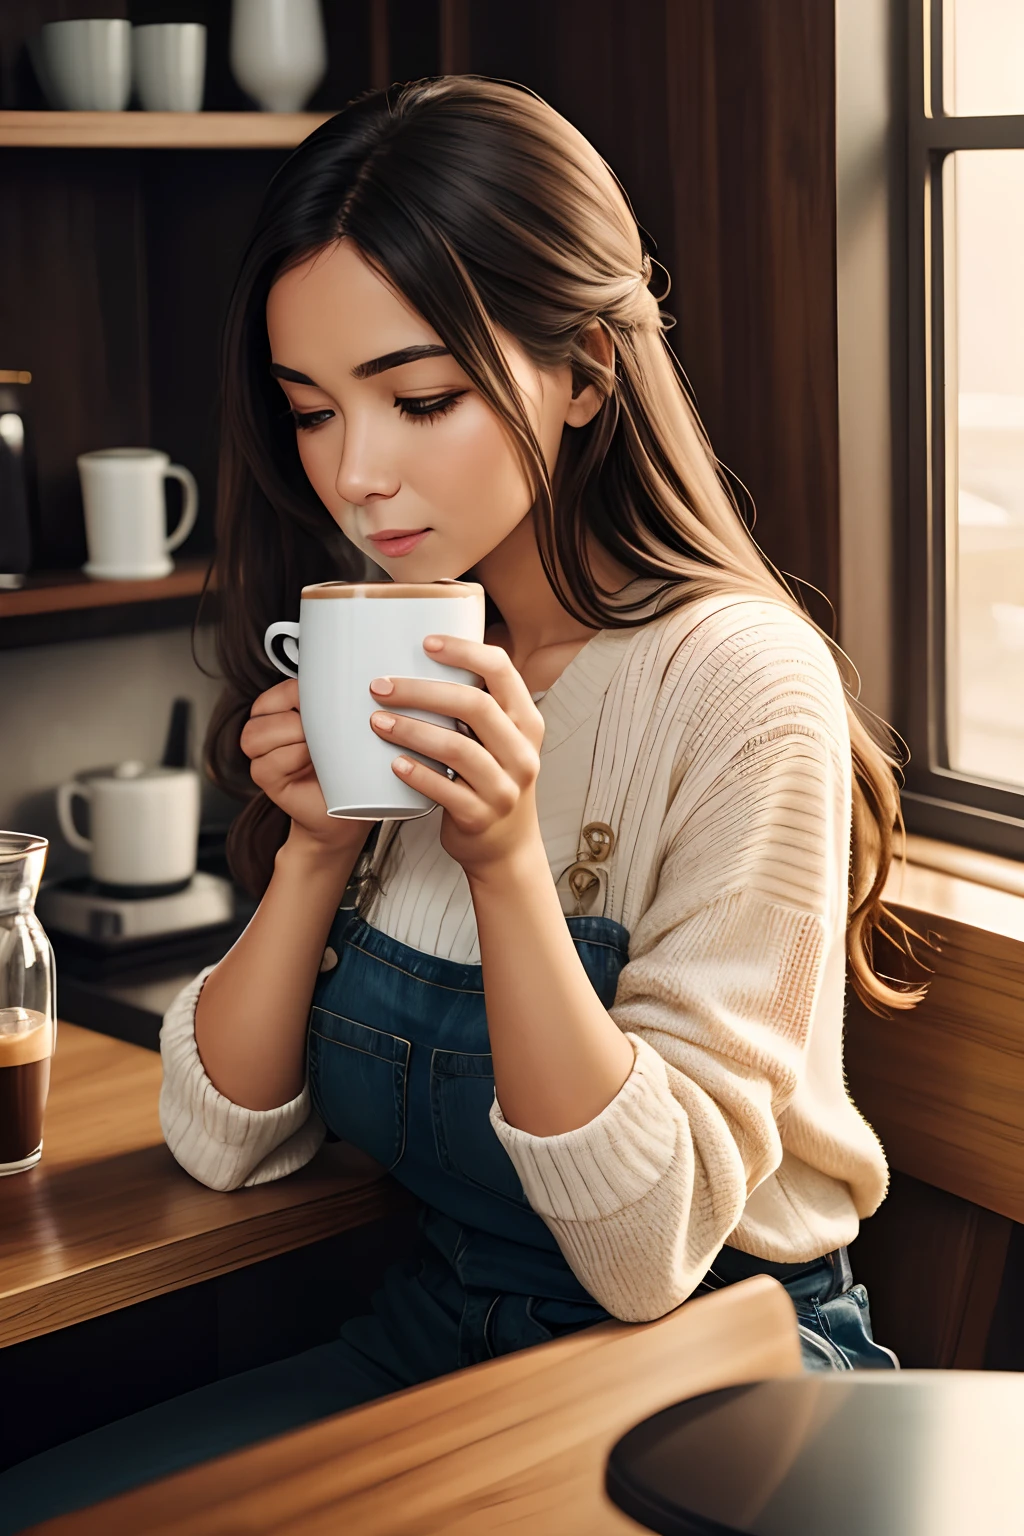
{"points": [[397, 541]]}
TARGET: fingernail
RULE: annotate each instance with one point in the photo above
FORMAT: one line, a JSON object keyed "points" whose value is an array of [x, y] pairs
{"points": [[403, 765], [382, 721], [433, 643], [381, 685]]}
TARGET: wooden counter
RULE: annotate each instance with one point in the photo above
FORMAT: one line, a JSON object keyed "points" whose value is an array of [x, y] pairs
{"points": [[514, 1445], [108, 1218]]}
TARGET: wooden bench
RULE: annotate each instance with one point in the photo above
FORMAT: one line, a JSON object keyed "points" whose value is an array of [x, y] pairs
{"points": [[943, 1086]]}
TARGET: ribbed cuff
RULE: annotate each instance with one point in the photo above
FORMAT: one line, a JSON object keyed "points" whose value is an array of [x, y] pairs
{"points": [[609, 1163], [218, 1142]]}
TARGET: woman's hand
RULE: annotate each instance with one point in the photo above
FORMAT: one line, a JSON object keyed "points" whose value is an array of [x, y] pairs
{"points": [[274, 741], [490, 810]]}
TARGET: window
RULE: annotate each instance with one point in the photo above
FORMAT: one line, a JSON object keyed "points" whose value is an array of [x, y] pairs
{"points": [[964, 338]]}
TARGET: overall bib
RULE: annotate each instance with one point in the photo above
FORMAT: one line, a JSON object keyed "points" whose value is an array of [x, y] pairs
{"points": [[414, 1088], [399, 1064]]}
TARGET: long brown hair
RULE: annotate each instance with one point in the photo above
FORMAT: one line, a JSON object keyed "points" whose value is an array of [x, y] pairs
{"points": [[488, 211]]}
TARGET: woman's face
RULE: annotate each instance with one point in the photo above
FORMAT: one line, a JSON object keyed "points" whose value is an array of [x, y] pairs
{"points": [[391, 433]]}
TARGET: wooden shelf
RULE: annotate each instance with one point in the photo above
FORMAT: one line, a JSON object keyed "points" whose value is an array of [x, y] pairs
{"points": [[60, 591], [59, 606], [157, 130]]}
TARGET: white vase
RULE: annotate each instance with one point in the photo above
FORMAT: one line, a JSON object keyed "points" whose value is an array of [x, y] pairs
{"points": [[278, 51]]}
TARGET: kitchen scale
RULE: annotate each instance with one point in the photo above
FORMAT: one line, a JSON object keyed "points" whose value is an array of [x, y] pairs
{"points": [[121, 960], [83, 910], [123, 953]]}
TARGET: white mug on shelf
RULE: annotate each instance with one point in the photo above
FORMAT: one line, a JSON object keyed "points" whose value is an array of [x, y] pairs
{"points": [[85, 66], [125, 512], [144, 825], [278, 51], [169, 65], [352, 632]]}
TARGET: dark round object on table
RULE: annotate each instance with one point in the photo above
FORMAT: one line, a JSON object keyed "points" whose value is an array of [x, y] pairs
{"points": [[870, 1453]]}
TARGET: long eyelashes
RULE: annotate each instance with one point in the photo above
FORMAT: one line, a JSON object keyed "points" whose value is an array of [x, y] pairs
{"points": [[306, 419], [429, 410], [417, 409]]}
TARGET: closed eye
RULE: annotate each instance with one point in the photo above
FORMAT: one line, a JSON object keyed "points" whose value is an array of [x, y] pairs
{"points": [[306, 419], [429, 407], [419, 407]]}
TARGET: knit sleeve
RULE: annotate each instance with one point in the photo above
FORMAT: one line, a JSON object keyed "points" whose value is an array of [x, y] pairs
{"points": [[748, 907], [219, 1143]]}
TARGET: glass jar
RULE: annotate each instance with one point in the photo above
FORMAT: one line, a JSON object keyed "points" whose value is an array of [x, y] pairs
{"points": [[28, 1003]]}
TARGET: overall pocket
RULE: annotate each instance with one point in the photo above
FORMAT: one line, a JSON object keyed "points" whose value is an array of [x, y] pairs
{"points": [[357, 1079], [461, 1095]]}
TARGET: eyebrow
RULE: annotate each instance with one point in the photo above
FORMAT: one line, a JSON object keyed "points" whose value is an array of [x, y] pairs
{"points": [[372, 368]]}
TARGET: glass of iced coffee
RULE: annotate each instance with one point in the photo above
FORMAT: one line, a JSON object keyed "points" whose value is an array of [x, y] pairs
{"points": [[28, 1016]]}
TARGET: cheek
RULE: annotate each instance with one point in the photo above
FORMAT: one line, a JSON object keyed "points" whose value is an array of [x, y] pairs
{"points": [[468, 456], [317, 459]]}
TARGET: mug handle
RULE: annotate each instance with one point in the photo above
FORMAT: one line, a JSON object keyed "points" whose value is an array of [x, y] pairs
{"points": [[190, 505], [65, 799], [290, 631]]}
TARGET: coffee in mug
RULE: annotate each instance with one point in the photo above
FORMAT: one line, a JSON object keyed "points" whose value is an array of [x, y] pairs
{"points": [[26, 1046], [349, 633]]}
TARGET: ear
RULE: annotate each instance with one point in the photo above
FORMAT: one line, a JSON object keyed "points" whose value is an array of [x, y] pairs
{"points": [[585, 404]]}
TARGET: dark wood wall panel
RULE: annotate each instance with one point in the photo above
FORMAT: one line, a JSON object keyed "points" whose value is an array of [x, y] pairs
{"points": [[199, 211], [73, 312], [718, 116], [932, 1265], [776, 419]]}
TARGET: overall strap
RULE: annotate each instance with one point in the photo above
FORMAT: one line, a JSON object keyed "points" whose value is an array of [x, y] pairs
{"points": [[585, 880]]}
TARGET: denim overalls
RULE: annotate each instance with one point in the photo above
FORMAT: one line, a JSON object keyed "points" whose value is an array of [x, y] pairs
{"points": [[399, 1064]]}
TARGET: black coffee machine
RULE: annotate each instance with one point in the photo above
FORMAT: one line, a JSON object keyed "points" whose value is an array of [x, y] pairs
{"points": [[17, 478]]}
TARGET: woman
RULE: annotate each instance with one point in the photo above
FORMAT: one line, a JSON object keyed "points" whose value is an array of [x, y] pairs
{"points": [[590, 1013]]}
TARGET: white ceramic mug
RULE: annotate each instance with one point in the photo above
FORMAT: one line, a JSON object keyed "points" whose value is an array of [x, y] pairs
{"points": [[86, 65], [125, 512], [143, 824], [169, 65], [349, 633]]}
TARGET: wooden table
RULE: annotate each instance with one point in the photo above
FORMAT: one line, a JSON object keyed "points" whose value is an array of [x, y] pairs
{"points": [[514, 1445], [108, 1218]]}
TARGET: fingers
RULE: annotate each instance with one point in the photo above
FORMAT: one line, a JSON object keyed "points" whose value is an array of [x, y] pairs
{"points": [[504, 683], [281, 697], [274, 769], [275, 743], [470, 811], [273, 738], [499, 782], [265, 733], [510, 740]]}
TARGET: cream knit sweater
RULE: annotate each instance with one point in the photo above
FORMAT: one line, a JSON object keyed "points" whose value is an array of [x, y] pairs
{"points": [[714, 742]]}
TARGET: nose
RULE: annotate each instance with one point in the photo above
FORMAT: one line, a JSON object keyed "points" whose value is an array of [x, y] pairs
{"points": [[366, 469]]}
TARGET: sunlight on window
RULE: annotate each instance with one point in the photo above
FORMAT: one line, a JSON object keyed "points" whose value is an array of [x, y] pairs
{"points": [[983, 194], [983, 57]]}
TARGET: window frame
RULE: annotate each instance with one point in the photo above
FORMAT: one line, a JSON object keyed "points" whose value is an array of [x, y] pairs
{"points": [[938, 801]]}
